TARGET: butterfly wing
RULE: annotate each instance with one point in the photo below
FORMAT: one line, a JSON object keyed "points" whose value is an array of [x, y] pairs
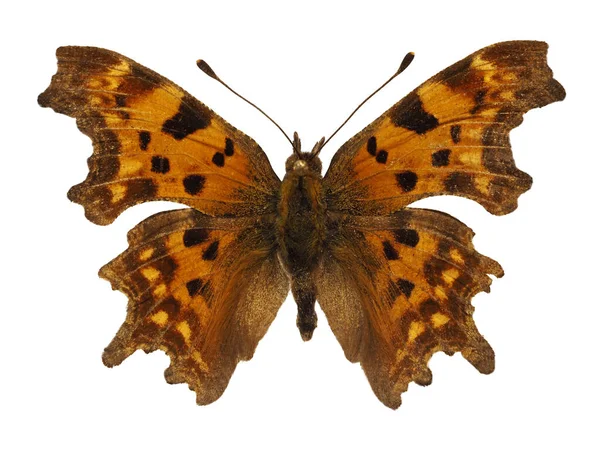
{"points": [[203, 289], [396, 283], [448, 136], [154, 141], [203, 284]]}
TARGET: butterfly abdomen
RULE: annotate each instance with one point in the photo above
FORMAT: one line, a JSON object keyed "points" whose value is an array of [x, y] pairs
{"points": [[301, 234]]}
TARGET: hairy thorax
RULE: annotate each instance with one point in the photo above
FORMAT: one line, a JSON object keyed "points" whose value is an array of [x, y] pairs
{"points": [[301, 216]]}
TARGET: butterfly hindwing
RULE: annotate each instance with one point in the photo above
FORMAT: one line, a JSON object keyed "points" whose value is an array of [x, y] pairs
{"points": [[202, 289], [448, 136], [154, 141], [396, 289]]}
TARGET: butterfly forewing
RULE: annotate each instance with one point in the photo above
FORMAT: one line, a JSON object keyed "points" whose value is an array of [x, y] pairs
{"points": [[448, 136], [154, 141]]}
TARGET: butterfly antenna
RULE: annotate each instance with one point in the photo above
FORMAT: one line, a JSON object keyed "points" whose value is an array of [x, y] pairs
{"points": [[403, 65], [204, 67]]}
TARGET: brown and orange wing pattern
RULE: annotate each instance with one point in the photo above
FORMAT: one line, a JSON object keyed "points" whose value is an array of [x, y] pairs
{"points": [[396, 289], [202, 289], [154, 141], [396, 283], [448, 136]]}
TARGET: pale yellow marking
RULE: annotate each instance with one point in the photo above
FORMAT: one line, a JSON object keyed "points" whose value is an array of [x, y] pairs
{"points": [[450, 275], [198, 358], [95, 83], [146, 254], [487, 68], [440, 293], [507, 95], [482, 184], [97, 100], [160, 318], [118, 192], [430, 95], [439, 319], [416, 328], [160, 290], [470, 158], [456, 256], [150, 273], [184, 329], [131, 167]]}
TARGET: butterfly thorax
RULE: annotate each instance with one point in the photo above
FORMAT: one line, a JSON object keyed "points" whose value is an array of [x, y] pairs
{"points": [[301, 232]]}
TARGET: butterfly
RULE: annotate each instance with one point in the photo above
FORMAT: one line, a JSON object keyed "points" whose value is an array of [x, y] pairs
{"points": [[395, 282]]}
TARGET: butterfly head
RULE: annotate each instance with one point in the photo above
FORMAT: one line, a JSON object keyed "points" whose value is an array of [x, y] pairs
{"points": [[301, 162]]}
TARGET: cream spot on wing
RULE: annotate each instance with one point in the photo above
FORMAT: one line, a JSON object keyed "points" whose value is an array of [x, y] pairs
{"points": [[470, 157], [482, 184], [184, 328], [456, 256], [507, 95], [439, 319], [160, 290], [416, 328], [130, 167], [160, 318], [487, 68], [146, 254], [440, 293], [430, 95], [150, 273], [198, 358], [118, 192], [450, 275]]}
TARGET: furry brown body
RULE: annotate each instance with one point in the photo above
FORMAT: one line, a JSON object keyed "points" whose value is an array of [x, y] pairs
{"points": [[301, 233]]}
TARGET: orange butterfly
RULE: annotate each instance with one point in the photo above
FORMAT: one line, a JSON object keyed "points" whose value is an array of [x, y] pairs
{"points": [[204, 283]]}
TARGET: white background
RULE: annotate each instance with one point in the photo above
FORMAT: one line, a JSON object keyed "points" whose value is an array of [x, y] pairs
{"points": [[308, 64]]}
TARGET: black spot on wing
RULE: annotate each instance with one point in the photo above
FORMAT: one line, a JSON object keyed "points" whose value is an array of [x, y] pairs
{"points": [[455, 133], [479, 101], [405, 286], [407, 180], [144, 137], [160, 164], [218, 159], [381, 157], [372, 145], [121, 100], [187, 119], [407, 236], [228, 147], [210, 253], [440, 158], [409, 114], [389, 251], [193, 286], [193, 184], [194, 236]]}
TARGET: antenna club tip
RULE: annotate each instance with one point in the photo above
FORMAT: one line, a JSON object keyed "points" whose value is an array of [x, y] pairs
{"points": [[204, 67], [408, 58]]}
